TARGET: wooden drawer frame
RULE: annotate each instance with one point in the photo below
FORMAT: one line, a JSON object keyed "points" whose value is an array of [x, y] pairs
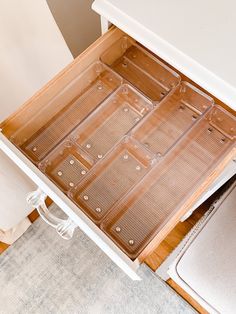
{"points": [[34, 105]]}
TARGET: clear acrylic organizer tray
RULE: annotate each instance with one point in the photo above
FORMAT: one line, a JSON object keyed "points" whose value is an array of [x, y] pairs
{"points": [[111, 179], [137, 218], [165, 125], [64, 112], [106, 126], [144, 71], [66, 165]]}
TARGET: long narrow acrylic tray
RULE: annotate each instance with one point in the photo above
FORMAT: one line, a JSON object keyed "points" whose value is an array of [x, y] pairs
{"points": [[136, 219], [111, 121], [164, 126], [152, 77], [64, 112], [66, 165], [111, 179]]}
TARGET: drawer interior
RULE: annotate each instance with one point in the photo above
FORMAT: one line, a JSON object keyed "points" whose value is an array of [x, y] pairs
{"points": [[58, 118], [172, 118], [113, 119], [167, 186], [124, 138], [66, 165], [140, 68], [112, 178]]}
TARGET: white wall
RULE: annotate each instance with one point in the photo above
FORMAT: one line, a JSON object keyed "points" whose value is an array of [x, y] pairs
{"points": [[79, 24], [32, 51]]}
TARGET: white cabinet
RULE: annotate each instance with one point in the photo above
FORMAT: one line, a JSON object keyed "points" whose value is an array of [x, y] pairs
{"points": [[198, 144]]}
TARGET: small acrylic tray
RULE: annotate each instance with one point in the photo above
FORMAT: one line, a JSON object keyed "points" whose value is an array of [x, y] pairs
{"points": [[111, 121], [66, 165], [161, 129], [136, 219], [111, 179], [63, 113], [152, 77]]}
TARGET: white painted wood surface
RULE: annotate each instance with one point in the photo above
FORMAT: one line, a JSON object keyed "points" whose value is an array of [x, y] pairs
{"points": [[197, 37]]}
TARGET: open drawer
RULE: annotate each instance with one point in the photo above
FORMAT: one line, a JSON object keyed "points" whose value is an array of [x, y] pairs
{"points": [[121, 146]]}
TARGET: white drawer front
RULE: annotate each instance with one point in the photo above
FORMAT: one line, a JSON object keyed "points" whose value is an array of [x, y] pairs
{"points": [[83, 222]]}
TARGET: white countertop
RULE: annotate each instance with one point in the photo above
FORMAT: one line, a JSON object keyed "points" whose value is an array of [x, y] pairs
{"points": [[197, 37]]}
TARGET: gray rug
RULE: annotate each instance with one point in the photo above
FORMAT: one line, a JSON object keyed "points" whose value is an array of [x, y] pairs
{"points": [[41, 273]]}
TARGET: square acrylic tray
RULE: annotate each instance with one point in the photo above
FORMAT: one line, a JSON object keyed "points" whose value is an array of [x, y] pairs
{"points": [[111, 121], [64, 112], [135, 220], [66, 165], [111, 179], [179, 111], [144, 71]]}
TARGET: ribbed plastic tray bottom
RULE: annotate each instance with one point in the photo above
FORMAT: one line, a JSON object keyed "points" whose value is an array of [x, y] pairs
{"points": [[134, 221], [140, 68], [111, 179], [111, 121], [161, 129], [66, 165], [56, 129]]}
